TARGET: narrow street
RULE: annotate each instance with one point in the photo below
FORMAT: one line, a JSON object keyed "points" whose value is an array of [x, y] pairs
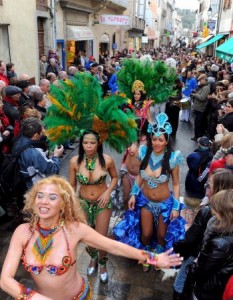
{"points": [[126, 278]]}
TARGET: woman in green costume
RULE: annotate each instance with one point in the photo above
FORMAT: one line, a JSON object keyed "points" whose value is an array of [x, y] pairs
{"points": [[88, 172]]}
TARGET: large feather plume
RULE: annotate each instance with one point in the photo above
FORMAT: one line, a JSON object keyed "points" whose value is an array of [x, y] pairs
{"points": [[77, 104], [122, 127], [157, 77]]}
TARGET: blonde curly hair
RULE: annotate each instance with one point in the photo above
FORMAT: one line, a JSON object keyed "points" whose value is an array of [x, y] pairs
{"points": [[72, 209]]}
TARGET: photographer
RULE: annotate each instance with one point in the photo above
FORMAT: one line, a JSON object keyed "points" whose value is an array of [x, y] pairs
{"points": [[201, 100]]}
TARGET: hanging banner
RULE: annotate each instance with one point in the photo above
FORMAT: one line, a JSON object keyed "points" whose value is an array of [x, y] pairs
{"points": [[211, 24], [114, 20]]}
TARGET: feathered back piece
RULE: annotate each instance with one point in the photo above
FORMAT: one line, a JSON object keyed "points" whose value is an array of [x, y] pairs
{"points": [[77, 104], [158, 78]]}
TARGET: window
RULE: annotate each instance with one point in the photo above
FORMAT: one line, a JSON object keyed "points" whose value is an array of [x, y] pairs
{"points": [[4, 45]]}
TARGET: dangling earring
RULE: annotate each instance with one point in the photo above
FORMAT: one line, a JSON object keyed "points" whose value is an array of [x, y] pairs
{"points": [[165, 149], [62, 213]]}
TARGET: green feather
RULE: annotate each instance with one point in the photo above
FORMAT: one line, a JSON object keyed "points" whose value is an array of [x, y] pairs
{"points": [[74, 104], [158, 78]]}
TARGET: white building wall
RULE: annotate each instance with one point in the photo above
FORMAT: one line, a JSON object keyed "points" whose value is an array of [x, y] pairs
{"points": [[21, 17]]}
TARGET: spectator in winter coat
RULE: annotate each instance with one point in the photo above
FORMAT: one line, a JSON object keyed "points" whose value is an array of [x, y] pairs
{"points": [[33, 162]]}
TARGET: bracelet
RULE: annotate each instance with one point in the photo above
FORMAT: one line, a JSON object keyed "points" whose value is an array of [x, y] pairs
{"points": [[25, 293], [149, 255], [176, 204], [135, 189]]}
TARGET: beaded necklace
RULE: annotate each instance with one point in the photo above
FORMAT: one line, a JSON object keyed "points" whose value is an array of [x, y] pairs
{"points": [[90, 163], [155, 161], [43, 244]]}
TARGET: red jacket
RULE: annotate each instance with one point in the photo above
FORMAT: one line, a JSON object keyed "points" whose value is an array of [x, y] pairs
{"points": [[4, 78], [216, 164], [228, 293]]}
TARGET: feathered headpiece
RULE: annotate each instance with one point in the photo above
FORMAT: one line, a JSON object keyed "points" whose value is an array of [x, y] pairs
{"points": [[77, 104], [162, 126], [157, 77]]}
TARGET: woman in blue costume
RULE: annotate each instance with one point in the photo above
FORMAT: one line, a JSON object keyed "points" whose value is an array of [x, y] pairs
{"points": [[153, 219]]}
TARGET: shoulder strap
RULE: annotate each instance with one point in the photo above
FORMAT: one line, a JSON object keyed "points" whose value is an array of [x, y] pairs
{"points": [[20, 151]]}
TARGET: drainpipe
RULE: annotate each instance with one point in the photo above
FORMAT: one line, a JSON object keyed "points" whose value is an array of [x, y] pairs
{"points": [[219, 15], [53, 21]]}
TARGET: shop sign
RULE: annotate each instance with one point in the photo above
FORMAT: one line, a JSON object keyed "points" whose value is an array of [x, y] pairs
{"points": [[144, 39], [114, 20]]}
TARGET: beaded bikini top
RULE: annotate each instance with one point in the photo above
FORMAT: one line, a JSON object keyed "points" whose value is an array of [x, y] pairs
{"points": [[155, 162], [51, 269], [85, 180]]}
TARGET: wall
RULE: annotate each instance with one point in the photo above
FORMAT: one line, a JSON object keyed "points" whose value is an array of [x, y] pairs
{"points": [[21, 15]]}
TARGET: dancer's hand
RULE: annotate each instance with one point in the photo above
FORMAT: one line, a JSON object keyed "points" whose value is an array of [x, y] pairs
{"points": [[167, 260], [104, 199], [131, 203], [164, 260]]}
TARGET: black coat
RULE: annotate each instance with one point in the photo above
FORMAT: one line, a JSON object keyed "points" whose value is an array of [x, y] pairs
{"points": [[214, 265], [227, 121], [191, 245]]}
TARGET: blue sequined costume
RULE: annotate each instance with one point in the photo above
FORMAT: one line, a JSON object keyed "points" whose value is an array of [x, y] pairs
{"points": [[128, 230]]}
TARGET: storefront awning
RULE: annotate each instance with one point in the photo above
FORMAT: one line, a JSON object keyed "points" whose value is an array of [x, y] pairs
{"points": [[211, 41], [207, 38], [79, 33], [225, 51], [198, 40]]}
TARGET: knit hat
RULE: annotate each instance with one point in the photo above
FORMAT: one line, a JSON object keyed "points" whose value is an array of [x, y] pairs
{"points": [[214, 68], [12, 90], [204, 142]]}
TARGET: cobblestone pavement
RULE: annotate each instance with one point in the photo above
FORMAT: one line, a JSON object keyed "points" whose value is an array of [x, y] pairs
{"points": [[127, 281]]}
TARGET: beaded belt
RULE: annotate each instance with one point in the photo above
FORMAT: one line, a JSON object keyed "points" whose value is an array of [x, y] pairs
{"points": [[85, 293]]}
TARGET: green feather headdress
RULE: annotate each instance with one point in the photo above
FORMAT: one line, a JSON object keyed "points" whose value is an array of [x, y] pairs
{"points": [[77, 104], [158, 78]]}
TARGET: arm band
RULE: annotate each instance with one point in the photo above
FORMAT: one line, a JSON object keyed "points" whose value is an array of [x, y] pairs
{"points": [[135, 189], [150, 256], [25, 293], [176, 204]]}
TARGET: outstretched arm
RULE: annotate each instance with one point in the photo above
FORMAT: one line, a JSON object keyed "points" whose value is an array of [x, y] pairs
{"points": [[96, 240]]}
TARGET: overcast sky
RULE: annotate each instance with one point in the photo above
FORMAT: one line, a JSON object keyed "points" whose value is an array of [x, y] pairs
{"points": [[187, 4]]}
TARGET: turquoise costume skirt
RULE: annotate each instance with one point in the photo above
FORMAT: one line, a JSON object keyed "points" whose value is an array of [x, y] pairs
{"points": [[128, 230]]}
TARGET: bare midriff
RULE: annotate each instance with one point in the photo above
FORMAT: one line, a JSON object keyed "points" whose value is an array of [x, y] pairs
{"points": [[92, 192], [158, 194]]}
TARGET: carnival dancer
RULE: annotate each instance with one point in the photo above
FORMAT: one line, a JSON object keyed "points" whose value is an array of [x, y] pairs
{"points": [[89, 170], [47, 246], [153, 220], [78, 110], [142, 108], [154, 80], [128, 173]]}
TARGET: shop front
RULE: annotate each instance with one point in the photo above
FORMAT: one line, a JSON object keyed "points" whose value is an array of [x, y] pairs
{"points": [[104, 43], [79, 38], [134, 39]]}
